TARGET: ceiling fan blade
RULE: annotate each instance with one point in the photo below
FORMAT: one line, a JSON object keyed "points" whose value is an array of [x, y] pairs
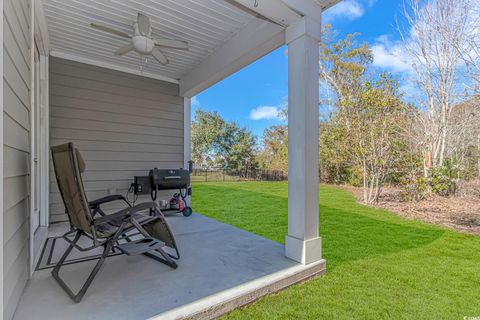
{"points": [[124, 50], [252, 12], [143, 23], [177, 44], [109, 30], [157, 54]]}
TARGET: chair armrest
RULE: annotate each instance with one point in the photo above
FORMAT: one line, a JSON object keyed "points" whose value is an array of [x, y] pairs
{"points": [[110, 198], [125, 213]]}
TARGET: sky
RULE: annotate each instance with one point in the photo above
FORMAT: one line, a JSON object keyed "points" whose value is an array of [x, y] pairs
{"points": [[253, 96]]}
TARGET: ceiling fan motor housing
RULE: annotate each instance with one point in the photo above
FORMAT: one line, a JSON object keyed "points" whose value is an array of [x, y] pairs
{"points": [[143, 44]]}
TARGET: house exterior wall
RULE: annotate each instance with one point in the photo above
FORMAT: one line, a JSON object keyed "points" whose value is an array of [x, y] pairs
{"points": [[16, 149], [123, 124]]}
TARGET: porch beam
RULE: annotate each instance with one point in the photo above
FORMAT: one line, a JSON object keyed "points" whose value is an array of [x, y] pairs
{"points": [[311, 8], [325, 4], [275, 10], [303, 243], [257, 39], [286, 12]]}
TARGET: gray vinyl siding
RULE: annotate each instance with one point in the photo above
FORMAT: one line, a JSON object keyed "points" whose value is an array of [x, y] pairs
{"points": [[16, 148], [123, 124]]}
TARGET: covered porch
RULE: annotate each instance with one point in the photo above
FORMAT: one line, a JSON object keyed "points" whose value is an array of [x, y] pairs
{"points": [[221, 268], [128, 115]]}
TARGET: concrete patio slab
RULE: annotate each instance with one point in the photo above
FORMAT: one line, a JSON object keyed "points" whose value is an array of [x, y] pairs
{"points": [[221, 267]]}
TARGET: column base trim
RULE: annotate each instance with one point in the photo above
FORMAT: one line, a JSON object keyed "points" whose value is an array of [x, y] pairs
{"points": [[303, 251]]}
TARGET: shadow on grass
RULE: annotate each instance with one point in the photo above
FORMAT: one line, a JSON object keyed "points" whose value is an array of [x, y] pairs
{"points": [[349, 234]]}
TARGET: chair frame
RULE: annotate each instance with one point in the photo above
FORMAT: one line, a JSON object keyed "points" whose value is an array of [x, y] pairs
{"points": [[110, 242]]}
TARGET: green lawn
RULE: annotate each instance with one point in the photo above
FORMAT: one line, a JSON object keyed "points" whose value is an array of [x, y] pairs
{"points": [[379, 266]]}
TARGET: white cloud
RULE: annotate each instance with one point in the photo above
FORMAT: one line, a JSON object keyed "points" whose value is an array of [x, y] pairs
{"points": [[371, 3], [348, 9], [194, 102], [266, 113], [390, 55]]}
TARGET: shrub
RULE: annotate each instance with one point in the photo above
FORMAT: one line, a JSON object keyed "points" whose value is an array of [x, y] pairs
{"points": [[415, 186], [354, 176], [444, 179]]}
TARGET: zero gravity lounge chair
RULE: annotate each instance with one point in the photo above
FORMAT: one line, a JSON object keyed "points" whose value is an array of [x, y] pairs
{"points": [[141, 229]]}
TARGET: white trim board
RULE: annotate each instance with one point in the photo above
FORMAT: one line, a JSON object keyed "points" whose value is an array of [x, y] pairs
{"points": [[39, 236], [45, 139], [68, 56], [31, 255], [40, 108], [41, 29], [1, 161]]}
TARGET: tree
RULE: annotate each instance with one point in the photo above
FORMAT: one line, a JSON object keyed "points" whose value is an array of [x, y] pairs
{"points": [[360, 137], [334, 156], [434, 58], [465, 139], [274, 155], [206, 129], [467, 43], [227, 145], [342, 64], [373, 120], [237, 148]]}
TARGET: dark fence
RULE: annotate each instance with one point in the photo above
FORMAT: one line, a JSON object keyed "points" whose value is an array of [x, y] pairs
{"points": [[243, 175]]}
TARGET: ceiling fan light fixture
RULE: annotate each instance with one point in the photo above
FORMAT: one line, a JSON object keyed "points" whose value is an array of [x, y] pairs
{"points": [[142, 41], [143, 44]]}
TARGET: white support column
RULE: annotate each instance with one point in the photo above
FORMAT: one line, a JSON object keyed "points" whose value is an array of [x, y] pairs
{"points": [[187, 134], [303, 243]]}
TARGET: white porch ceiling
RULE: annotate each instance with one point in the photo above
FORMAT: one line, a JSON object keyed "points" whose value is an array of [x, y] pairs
{"points": [[205, 24]]}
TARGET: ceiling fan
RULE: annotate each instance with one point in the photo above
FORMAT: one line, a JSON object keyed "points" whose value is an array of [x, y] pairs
{"points": [[142, 41]]}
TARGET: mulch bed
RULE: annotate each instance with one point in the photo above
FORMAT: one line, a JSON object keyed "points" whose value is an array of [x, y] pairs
{"points": [[459, 213]]}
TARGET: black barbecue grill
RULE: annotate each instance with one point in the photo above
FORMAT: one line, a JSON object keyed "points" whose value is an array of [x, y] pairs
{"points": [[165, 179]]}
